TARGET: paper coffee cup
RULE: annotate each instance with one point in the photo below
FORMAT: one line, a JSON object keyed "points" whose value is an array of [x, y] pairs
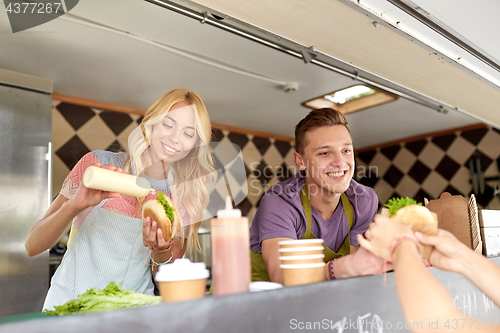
{"points": [[300, 251], [307, 259], [182, 280], [300, 243], [299, 274]]}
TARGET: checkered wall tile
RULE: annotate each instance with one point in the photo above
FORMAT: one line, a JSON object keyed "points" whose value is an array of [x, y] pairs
{"points": [[427, 167], [78, 130], [418, 169]]}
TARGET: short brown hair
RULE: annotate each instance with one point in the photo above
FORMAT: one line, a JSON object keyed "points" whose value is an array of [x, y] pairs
{"points": [[315, 119]]}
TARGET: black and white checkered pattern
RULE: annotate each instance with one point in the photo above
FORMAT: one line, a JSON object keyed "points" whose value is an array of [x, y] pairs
{"points": [[427, 167], [418, 169]]}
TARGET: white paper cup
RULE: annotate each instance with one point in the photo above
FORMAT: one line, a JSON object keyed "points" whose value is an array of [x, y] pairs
{"points": [[298, 274], [307, 259], [182, 280], [300, 243], [300, 251]]}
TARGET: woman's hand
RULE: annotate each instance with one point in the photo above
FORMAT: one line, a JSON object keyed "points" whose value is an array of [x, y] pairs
{"points": [[86, 197], [377, 239], [152, 236], [447, 252]]}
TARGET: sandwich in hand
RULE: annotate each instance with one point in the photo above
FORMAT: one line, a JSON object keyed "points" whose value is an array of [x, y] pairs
{"points": [[407, 211], [162, 210]]}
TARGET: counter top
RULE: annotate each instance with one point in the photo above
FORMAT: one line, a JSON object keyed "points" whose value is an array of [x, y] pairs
{"points": [[323, 306]]}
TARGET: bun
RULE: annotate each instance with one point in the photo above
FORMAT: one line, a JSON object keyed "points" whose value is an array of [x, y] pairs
{"points": [[420, 219], [155, 210]]}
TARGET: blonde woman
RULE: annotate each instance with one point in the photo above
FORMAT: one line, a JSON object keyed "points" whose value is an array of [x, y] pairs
{"points": [[108, 240]]}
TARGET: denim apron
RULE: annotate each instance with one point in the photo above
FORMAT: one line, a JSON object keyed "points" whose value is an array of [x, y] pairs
{"points": [[107, 248]]}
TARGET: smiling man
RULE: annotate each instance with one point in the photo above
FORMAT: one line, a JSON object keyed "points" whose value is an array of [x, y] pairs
{"points": [[321, 201]]}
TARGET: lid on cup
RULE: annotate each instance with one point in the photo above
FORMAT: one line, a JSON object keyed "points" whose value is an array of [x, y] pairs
{"points": [[180, 270]]}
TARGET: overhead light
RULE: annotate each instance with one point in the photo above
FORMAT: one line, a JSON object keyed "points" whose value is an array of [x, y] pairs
{"points": [[351, 99], [407, 17]]}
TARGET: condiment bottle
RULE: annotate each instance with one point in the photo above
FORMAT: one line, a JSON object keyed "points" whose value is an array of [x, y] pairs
{"points": [[107, 180], [230, 241]]}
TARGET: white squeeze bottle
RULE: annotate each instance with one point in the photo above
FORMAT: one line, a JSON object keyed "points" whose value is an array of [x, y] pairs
{"points": [[107, 180], [230, 241]]}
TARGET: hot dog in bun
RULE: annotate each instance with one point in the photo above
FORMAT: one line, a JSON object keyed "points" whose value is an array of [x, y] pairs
{"points": [[162, 210], [407, 211]]}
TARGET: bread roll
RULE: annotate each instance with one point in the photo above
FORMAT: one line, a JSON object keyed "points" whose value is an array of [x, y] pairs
{"points": [[155, 210], [420, 219]]}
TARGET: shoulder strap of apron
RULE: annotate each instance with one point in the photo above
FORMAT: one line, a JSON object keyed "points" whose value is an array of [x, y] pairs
{"points": [[345, 248]]}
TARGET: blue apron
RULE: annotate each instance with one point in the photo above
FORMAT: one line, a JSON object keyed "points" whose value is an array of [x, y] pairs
{"points": [[107, 248]]}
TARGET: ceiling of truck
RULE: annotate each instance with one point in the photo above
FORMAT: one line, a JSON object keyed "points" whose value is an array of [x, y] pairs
{"points": [[130, 52]]}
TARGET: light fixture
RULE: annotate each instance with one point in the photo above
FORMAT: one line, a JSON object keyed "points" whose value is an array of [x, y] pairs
{"points": [[351, 99], [421, 26]]}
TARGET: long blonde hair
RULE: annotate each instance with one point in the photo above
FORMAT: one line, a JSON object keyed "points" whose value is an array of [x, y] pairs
{"points": [[190, 174]]}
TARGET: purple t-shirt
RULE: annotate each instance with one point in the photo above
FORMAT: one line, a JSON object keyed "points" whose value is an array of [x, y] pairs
{"points": [[281, 214]]}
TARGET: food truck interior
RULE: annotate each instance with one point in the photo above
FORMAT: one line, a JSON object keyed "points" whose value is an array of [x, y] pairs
{"points": [[424, 119]]}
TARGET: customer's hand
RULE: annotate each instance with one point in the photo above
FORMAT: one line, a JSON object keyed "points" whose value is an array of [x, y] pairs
{"points": [[381, 233], [447, 252]]}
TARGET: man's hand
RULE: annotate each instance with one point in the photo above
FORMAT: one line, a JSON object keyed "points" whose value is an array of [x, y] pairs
{"points": [[381, 233], [360, 263]]}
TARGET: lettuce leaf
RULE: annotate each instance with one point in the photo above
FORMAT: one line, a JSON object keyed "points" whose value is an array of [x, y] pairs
{"points": [[168, 209], [396, 203], [110, 298]]}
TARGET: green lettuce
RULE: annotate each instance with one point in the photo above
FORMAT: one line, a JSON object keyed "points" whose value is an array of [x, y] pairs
{"points": [[110, 298], [168, 210], [395, 203]]}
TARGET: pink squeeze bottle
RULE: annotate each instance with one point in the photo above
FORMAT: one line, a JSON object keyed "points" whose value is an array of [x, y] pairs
{"points": [[230, 241]]}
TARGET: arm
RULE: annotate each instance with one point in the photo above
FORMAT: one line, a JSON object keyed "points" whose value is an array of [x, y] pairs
{"points": [[270, 253], [46, 232], [277, 220], [422, 297], [452, 255]]}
